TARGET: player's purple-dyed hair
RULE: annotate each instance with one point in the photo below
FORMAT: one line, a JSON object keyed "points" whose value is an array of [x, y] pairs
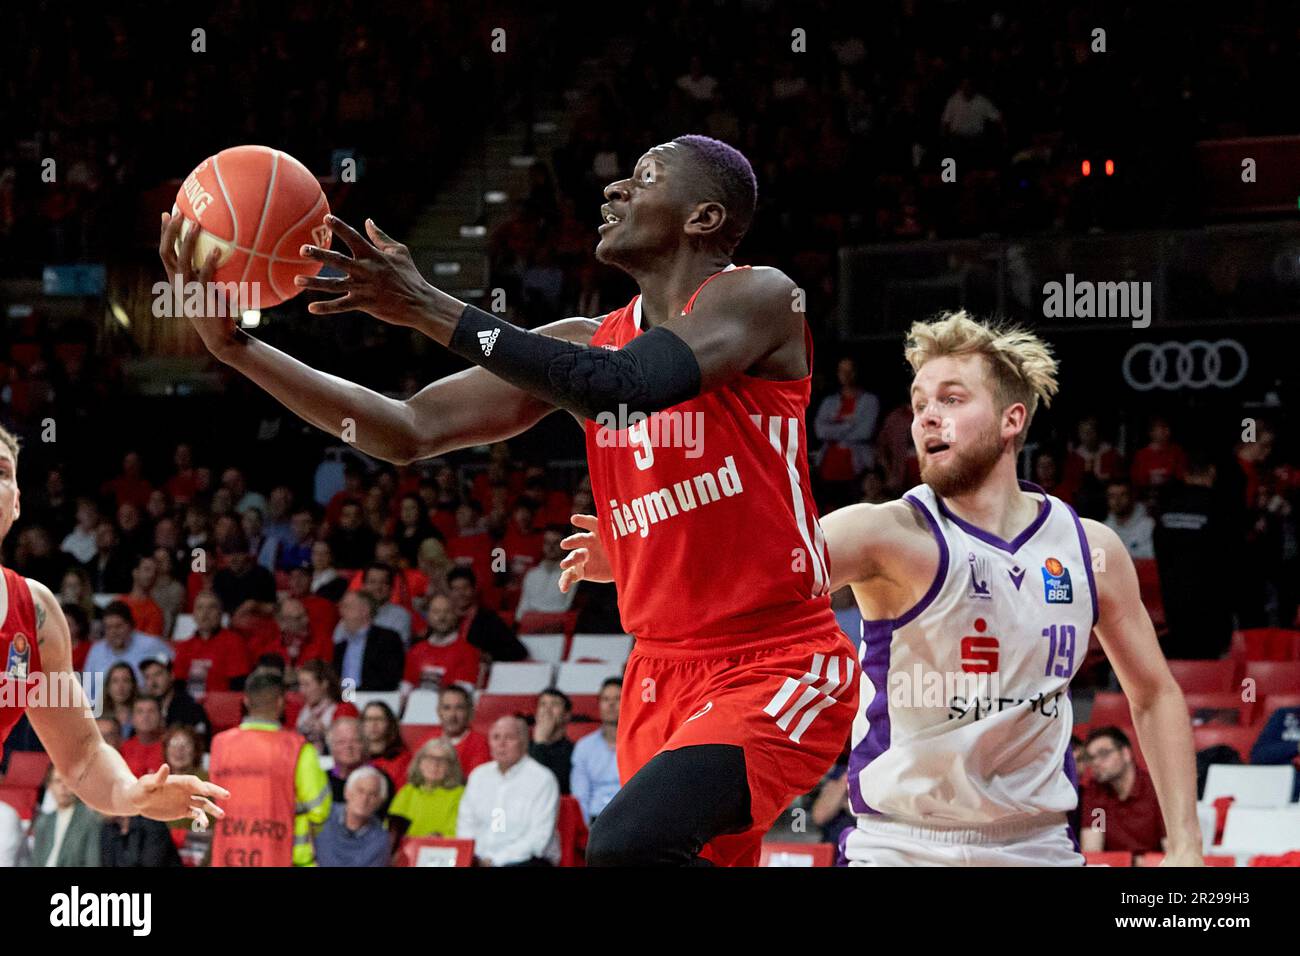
{"points": [[726, 176]]}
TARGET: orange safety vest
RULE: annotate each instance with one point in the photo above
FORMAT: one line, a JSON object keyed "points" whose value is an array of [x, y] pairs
{"points": [[258, 768]]}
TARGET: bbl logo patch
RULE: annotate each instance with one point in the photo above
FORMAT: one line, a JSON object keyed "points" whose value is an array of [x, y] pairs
{"points": [[20, 652], [1056, 582]]}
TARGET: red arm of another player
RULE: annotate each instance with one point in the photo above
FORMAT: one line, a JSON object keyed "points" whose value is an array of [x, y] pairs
{"points": [[1159, 711], [63, 720]]}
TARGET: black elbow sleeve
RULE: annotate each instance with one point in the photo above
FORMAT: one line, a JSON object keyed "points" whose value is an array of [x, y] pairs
{"points": [[654, 371]]}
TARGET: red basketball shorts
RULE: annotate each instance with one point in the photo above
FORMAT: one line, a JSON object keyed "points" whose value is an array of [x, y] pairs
{"points": [[790, 709]]}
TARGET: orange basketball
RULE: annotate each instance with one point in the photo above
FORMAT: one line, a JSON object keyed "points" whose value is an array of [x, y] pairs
{"points": [[258, 206]]}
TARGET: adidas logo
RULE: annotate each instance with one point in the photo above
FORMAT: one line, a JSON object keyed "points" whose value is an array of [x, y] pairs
{"points": [[487, 339]]}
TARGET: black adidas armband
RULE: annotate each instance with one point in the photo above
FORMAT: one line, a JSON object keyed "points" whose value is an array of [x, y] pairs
{"points": [[654, 371]]}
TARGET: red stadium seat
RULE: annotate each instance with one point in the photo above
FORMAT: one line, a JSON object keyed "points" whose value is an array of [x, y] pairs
{"points": [[492, 706], [1149, 591], [444, 852], [1240, 739], [1273, 677], [1265, 707], [586, 705], [1155, 859], [225, 708], [22, 799], [1108, 858], [70, 351], [536, 622], [1204, 676], [416, 735], [25, 354], [1265, 644], [578, 729], [1212, 707], [27, 768], [572, 830], [796, 854], [1110, 709]]}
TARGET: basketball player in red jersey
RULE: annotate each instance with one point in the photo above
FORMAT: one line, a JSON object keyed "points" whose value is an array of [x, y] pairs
{"points": [[741, 689], [38, 678]]}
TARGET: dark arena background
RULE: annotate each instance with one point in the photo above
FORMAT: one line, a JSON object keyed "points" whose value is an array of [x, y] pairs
{"points": [[1121, 178]]}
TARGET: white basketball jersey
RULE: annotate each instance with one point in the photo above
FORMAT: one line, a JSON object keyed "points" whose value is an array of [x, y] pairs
{"points": [[965, 715]]}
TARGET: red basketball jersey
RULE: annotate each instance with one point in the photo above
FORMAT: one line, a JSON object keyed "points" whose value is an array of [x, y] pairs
{"points": [[20, 655], [707, 514]]}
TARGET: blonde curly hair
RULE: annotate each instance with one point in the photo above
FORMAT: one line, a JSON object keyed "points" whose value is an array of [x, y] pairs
{"points": [[1021, 365]]}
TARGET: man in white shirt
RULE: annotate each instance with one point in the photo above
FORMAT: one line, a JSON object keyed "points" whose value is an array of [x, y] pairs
{"points": [[697, 84], [968, 114], [541, 592], [510, 803], [1129, 519], [122, 642], [80, 541]]}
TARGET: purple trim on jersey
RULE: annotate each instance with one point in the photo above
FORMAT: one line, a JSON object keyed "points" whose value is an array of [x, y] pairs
{"points": [[1087, 563], [1072, 818], [940, 576], [1011, 547], [877, 640], [841, 853], [874, 656]]}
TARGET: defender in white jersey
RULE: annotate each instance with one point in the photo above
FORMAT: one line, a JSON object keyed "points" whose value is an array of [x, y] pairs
{"points": [[979, 594]]}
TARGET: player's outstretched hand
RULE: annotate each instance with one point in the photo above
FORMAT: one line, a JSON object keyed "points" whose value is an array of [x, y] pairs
{"points": [[587, 560], [379, 277], [160, 796], [217, 331]]}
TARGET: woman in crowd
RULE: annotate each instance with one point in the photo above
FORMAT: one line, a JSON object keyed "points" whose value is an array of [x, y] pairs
{"points": [[76, 589], [428, 804], [121, 690], [318, 683], [411, 529], [383, 742]]}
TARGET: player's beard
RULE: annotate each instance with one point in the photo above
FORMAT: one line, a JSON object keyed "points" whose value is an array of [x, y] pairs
{"points": [[967, 468]]}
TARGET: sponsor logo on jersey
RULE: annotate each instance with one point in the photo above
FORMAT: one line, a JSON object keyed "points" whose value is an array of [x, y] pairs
{"points": [[979, 651], [1017, 574], [979, 578], [1056, 582], [640, 514], [977, 708]]}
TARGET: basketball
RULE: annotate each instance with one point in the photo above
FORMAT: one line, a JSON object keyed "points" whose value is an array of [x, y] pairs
{"points": [[258, 206]]}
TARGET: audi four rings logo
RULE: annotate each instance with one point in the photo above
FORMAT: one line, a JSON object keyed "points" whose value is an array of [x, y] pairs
{"points": [[1195, 364]]}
